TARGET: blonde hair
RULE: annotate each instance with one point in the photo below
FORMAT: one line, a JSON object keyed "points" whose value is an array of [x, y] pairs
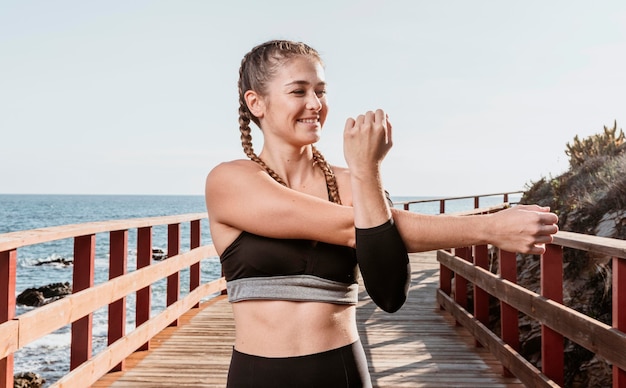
{"points": [[258, 67]]}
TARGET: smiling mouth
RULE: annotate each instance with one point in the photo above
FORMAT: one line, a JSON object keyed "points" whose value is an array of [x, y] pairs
{"points": [[309, 121]]}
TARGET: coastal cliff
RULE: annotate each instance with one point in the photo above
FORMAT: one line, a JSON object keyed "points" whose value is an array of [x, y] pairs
{"points": [[589, 198]]}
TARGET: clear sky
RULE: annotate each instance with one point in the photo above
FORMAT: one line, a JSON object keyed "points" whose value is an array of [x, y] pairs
{"points": [[139, 97]]}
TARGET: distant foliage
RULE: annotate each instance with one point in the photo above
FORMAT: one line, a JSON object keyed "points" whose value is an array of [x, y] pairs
{"points": [[609, 143]]}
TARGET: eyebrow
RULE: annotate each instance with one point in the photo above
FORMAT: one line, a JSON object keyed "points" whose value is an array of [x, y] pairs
{"points": [[302, 82]]}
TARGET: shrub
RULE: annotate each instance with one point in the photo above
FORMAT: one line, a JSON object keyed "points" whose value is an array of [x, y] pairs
{"points": [[609, 143]]}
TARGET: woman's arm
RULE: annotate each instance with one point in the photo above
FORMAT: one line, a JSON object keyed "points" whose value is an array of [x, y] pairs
{"points": [[523, 228], [240, 195], [380, 251]]}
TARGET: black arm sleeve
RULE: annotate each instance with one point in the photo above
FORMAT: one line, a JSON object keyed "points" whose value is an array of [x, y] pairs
{"points": [[384, 264]]}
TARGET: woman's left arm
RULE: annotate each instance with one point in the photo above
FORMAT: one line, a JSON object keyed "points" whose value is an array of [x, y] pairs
{"points": [[381, 253]]}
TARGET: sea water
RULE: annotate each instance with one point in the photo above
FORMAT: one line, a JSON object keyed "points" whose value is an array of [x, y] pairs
{"points": [[49, 356]]}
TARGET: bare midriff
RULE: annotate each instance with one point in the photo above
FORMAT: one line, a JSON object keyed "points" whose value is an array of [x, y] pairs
{"points": [[279, 328]]}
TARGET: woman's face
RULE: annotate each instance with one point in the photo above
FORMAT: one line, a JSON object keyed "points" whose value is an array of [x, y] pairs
{"points": [[294, 107]]}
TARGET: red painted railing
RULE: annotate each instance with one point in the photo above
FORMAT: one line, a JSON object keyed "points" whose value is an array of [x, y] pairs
{"points": [[442, 201], [466, 265], [557, 321], [78, 308]]}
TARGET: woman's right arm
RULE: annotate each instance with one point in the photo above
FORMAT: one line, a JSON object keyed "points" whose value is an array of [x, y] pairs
{"points": [[241, 196]]}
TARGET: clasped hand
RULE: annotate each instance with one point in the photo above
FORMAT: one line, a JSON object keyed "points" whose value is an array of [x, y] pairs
{"points": [[366, 141]]}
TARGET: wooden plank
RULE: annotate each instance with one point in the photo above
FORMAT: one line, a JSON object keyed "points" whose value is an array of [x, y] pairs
{"points": [[609, 247], [417, 346], [8, 338], [508, 356]]}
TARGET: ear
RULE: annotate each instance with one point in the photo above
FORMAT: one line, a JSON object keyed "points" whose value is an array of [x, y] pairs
{"points": [[255, 103]]}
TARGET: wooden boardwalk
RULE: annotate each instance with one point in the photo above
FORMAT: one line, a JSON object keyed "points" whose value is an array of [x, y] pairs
{"points": [[419, 346]]}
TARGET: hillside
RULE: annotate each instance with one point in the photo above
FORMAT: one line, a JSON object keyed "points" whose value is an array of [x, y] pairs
{"points": [[589, 198]]}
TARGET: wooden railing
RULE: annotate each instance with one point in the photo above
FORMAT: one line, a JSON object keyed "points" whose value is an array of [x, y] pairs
{"points": [[78, 308], [442, 201], [557, 321], [465, 265]]}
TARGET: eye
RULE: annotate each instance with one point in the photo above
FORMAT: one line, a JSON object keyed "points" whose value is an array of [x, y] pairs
{"points": [[320, 93], [298, 92]]}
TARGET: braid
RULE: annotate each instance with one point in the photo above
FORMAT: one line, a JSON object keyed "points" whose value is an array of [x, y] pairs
{"points": [[257, 68], [331, 180], [246, 143], [244, 127]]}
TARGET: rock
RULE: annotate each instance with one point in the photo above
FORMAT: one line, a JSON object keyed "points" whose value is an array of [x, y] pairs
{"points": [[60, 260], [28, 380], [56, 289], [593, 373], [40, 296], [159, 254], [31, 297]]}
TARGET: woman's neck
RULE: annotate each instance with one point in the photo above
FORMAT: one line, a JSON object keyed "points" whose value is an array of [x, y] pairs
{"points": [[296, 167]]}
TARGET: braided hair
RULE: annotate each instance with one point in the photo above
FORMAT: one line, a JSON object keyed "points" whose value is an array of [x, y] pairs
{"points": [[258, 67]]}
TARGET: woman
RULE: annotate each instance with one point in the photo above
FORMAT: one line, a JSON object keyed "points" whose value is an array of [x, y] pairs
{"points": [[290, 228]]}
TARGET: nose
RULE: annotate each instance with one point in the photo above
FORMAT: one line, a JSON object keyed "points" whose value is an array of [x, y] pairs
{"points": [[314, 102]]}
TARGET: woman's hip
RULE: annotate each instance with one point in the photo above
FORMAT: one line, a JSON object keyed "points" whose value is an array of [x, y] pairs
{"points": [[341, 367]]}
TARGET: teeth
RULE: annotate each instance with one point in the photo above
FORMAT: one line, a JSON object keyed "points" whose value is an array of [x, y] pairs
{"points": [[310, 121]]}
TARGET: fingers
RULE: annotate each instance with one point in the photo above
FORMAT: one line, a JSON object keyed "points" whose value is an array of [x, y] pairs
{"points": [[545, 216], [539, 249], [526, 228], [350, 123], [544, 235], [389, 127], [536, 208]]}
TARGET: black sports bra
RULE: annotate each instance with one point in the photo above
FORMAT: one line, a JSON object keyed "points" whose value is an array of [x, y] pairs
{"points": [[259, 267]]}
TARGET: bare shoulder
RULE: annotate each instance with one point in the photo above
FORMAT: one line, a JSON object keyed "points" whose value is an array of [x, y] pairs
{"points": [[342, 174], [231, 170], [229, 177], [234, 166]]}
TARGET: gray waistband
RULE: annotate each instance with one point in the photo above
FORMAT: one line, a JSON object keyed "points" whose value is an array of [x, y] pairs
{"points": [[294, 288]]}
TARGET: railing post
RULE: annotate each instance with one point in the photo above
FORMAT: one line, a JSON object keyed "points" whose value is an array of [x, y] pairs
{"points": [[194, 271], [445, 280], [481, 297], [144, 257], [83, 278], [173, 281], [442, 206], [618, 266], [476, 202], [8, 268], [118, 260], [460, 283], [509, 319], [552, 352]]}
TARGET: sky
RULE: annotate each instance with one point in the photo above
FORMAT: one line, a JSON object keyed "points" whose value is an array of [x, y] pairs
{"points": [[140, 97]]}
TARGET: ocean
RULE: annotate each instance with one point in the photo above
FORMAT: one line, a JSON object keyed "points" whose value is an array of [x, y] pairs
{"points": [[49, 356]]}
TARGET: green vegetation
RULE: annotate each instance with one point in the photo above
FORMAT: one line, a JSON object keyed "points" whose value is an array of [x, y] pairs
{"points": [[607, 143]]}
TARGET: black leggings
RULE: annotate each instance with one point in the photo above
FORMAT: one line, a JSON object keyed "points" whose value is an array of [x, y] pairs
{"points": [[342, 367]]}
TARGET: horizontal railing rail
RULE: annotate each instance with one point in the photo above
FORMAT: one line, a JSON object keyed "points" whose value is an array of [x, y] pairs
{"points": [[406, 205], [470, 265], [77, 309]]}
